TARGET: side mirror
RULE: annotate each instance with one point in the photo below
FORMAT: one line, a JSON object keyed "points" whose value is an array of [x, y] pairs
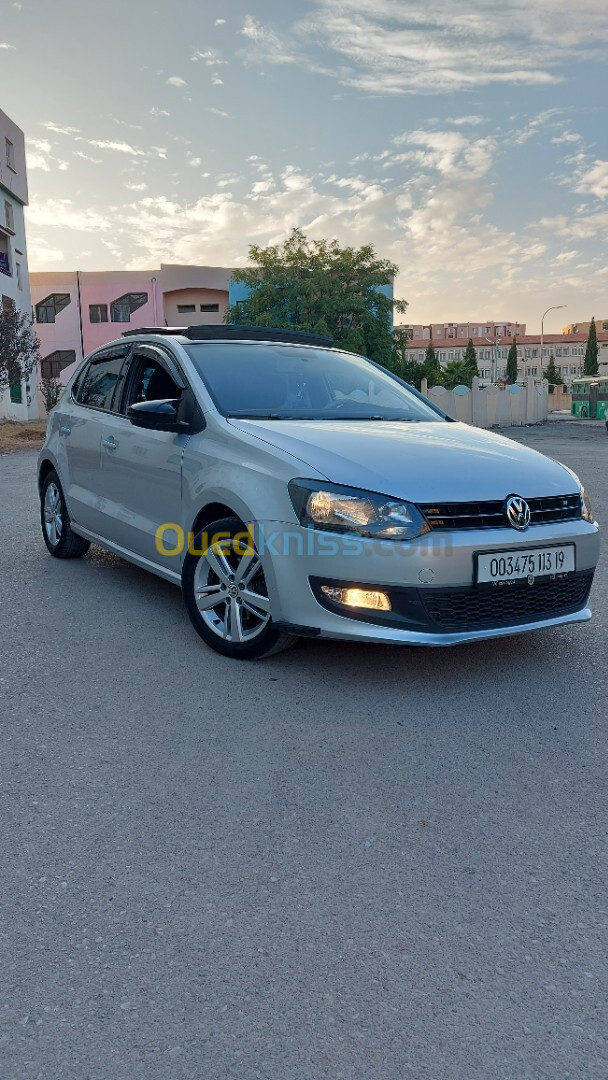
{"points": [[158, 416]]}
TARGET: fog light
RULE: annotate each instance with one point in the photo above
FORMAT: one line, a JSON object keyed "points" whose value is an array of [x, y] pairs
{"points": [[361, 598]]}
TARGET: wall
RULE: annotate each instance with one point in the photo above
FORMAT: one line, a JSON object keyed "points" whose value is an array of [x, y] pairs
{"points": [[493, 406], [178, 297], [13, 189]]}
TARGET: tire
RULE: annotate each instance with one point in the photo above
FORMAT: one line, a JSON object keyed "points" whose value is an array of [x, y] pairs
{"points": [[239, 624], [55, 520]]}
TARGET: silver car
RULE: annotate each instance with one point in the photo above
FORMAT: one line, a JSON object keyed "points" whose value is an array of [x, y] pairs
{"points": [[293, 489]]}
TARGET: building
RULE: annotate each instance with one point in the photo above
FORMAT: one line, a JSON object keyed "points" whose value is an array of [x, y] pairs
{"points": [[601, 325], [78, 311], [440, 333], [568, 351], [20, 401]]}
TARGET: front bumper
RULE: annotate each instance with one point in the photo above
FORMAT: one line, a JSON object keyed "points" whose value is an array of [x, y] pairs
{"points": [[430, 582]]}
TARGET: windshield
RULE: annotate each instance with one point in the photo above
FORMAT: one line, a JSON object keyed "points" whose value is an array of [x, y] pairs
{"points": [[291, 382]]}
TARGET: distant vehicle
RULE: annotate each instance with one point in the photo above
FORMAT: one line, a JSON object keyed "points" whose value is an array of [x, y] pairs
{"points": [[293, 489], [590, 397]]}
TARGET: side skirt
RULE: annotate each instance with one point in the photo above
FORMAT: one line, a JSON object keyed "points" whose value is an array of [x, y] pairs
{"points": [[130, 556]]}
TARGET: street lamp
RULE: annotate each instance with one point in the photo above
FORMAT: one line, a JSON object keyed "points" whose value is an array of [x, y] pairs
{"points": [[493, 344], [555, 307]]}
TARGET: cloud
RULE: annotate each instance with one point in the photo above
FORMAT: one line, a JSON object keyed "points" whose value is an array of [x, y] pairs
{"points": [[132, 185], [39, 154], [118, 147], [435, 46], [268, 46], [63, 214], [59, 130], [219, 112], [87, 157], [220, 22], [42, 254], [211, 58], [154, 111], [176, 80], [216, 81], [566, 137], [465, 121], [593, 180], [5, 45]]}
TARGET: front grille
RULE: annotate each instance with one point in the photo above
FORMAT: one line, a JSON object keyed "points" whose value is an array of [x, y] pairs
{"points": [[491, 515], [485, 609]]}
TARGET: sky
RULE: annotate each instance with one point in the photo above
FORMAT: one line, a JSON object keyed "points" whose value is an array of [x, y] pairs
{"points": [[467, 143]]}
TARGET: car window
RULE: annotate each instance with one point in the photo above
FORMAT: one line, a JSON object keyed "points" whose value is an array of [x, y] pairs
{"points": [[291, 382], [100, 382], [150, 382]]}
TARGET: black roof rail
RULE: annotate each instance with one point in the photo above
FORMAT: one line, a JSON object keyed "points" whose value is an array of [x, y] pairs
{"points": [[235, 332]]}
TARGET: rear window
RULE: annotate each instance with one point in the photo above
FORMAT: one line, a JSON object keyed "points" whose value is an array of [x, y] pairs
{"points": [[98, 387], [291, 382]]}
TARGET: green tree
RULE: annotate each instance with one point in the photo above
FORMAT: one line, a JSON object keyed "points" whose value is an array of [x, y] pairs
{"points": [[457, 373], [512, 362], [470, 358], [590, 365], [316, 285], [19, 346], [551, 374]]}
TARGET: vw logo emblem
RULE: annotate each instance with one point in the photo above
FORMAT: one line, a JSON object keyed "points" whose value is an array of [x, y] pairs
{"points": [[518, 512]]}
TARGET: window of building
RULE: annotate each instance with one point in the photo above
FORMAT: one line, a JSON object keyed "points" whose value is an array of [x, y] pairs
{"points": [[52, 365], [122, 308], [210, 307], [5, 256], [100, 382], [19, 276], [98, 313], [9, 216], [10, 154], [8, 304], [48, 309], [185, 309]]}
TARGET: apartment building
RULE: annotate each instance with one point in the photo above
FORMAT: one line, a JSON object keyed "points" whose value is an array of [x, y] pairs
{"points": [[19, 402], [78, 311], [450, 332], [568, 351], [601, 325]]}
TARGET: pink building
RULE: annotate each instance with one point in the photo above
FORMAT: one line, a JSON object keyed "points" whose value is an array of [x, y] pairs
{"points": [[462, 331], [76, 312]]}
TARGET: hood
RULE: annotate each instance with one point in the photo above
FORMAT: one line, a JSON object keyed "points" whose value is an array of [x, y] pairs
{"points": [[420, 462]]}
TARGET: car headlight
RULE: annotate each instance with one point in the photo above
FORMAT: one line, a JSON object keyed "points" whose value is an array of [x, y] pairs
{"points": [[343, 509], [587, 512]]}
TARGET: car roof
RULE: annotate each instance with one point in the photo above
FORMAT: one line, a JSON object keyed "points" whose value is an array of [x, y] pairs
{"points": [[232, 332]]}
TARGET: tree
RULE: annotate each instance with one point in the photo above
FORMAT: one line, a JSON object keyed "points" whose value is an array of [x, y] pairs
{"points": [[51, 390], [457, 373], [470, 358], [551, 374], [512, 362], [590, 365], [19, 346], [316, 285]]}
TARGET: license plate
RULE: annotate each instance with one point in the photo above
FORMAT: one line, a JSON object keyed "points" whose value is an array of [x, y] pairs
{"points": [[525, 564]]}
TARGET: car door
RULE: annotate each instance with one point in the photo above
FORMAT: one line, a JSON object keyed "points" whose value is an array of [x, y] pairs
{"points": [[81, 418], [141, 482]]}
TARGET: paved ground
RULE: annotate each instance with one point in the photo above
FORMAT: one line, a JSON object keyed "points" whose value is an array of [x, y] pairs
{"points": [[347, 862]]}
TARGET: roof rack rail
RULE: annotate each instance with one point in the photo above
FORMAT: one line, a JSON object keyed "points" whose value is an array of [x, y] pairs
{"points": [[235, 332]]}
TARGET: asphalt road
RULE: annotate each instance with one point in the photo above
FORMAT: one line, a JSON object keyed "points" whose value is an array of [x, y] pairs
{"points": [[348, 861]]}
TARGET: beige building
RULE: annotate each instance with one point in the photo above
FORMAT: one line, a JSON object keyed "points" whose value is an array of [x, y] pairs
{"points": [[601, 325], [446, 332], [568, 351]]}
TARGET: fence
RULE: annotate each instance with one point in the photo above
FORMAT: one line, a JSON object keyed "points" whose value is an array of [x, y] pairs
{"points": [[493, 406]]}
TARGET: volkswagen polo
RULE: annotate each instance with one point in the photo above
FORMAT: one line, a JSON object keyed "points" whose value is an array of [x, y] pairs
{"points": [[293, 489]]}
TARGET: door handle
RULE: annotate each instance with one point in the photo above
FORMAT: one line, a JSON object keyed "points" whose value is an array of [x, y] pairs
{"points": [[109, 443]]}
